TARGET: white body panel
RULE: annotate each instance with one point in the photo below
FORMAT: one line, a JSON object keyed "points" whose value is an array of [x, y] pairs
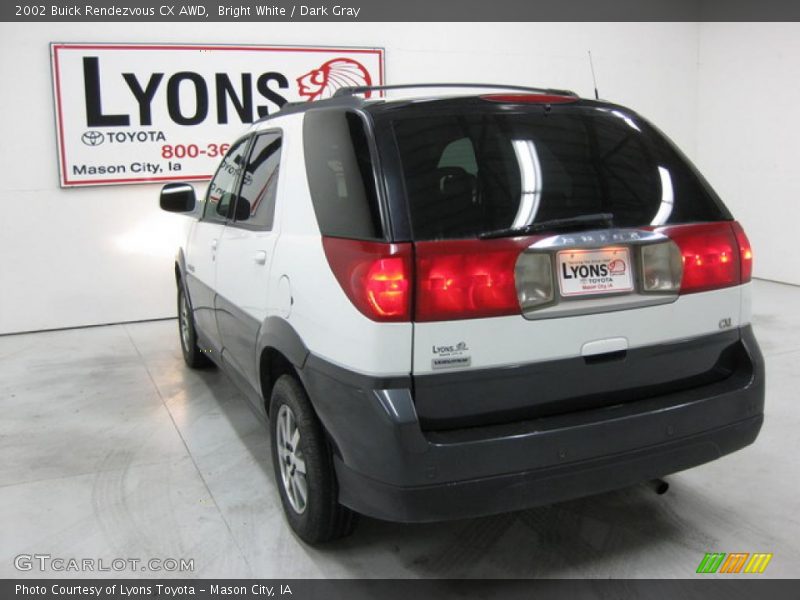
{"points": [[503, 341], [242, 277], [747, 303], [201, 251], [201, 265], [331, 327]]}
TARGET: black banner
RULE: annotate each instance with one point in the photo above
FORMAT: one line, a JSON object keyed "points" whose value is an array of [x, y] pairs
{"points": [[350, 589], [399, 10]]}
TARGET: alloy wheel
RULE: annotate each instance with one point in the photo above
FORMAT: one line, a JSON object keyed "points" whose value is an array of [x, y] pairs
{"points": [[290, 459]]}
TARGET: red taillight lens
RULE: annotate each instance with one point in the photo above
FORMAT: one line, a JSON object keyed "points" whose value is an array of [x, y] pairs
{"points": [[745, 252], [375, 276], [465, 279], [711, 255], [386, 287]]}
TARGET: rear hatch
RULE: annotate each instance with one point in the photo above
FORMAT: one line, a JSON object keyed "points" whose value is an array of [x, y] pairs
{"points": [[566, 256]]}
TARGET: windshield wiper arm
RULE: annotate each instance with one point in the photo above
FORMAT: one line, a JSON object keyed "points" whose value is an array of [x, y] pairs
{"points": [[569, 223]]}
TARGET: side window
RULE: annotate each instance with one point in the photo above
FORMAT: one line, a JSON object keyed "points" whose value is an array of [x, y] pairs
{"points": [[260, 181], [222, 189], [340, 175]]}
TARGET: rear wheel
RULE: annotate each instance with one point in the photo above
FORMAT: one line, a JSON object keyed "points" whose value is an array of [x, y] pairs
{"points": [[192, 353], [303, 467]]}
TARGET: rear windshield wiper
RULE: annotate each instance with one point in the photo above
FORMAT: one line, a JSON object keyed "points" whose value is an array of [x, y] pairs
{"points": [[570, 223]]}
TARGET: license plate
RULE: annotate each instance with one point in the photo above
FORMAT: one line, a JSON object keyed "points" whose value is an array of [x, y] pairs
{"points": [[588, 272]]}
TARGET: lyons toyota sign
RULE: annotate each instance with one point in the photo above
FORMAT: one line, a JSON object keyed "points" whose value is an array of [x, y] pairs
{"points": [[131, 113]]}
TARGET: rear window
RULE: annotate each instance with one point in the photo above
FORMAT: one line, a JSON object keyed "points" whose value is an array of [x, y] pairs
{"points": [[467, 172]]}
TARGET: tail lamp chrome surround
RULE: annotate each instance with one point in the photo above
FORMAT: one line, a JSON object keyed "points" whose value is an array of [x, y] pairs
{"points": [[657, 268]]}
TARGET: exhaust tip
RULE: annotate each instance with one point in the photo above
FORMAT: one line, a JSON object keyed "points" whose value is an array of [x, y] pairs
{"points": [[659, 486]]}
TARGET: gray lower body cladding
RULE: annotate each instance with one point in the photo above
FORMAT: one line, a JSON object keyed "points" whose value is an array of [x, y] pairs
{"points": [[481, 397], [391, 466]]}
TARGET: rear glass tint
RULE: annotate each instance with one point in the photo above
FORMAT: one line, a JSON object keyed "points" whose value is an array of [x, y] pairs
{"points": [[340, 175], [467, 172]]}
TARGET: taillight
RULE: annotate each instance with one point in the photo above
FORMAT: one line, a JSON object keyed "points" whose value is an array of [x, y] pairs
{"points": [[745, 252], [662, 268], [463, 279], [375, 276], [467, 279], [713, 255], [534, 278]]}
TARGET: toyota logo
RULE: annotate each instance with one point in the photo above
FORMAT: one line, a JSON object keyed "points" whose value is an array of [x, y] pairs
{"points": [[92, 138]]}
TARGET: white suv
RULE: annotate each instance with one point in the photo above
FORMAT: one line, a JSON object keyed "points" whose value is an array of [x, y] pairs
{"points": [[469, 303]]}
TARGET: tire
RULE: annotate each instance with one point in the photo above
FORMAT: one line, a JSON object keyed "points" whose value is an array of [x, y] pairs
{"points": [[315, 516], [194, 357]]}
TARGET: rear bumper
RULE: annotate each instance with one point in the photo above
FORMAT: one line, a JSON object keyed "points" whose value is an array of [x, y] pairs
{"points": [[517, 491], [389, 468]]}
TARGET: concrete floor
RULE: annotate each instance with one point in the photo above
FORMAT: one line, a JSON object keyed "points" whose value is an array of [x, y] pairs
{"points": [[112, 448]]}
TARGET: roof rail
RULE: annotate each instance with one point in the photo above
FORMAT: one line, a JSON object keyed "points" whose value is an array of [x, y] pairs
{"points": [[299, 106], [352, 90]]}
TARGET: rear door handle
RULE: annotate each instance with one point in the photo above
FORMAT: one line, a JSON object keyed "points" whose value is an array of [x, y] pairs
{"points": [[260, 257], [213, 244]]}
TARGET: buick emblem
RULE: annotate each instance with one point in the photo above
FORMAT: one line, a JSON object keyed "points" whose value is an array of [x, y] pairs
{"points": [[93, 138]]}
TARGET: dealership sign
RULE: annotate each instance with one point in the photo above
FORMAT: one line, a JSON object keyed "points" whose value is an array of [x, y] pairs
{"points": [[130, 113]]}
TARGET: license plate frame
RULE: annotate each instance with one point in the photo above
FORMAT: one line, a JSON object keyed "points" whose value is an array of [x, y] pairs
{"points": [[595, 271]]}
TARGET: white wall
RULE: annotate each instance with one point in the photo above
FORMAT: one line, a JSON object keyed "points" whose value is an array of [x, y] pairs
{"points": [[85, 256], [748, 135]]}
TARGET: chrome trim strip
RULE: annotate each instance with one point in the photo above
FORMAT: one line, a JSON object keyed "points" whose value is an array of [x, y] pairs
{"points": [[598, 239]]}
